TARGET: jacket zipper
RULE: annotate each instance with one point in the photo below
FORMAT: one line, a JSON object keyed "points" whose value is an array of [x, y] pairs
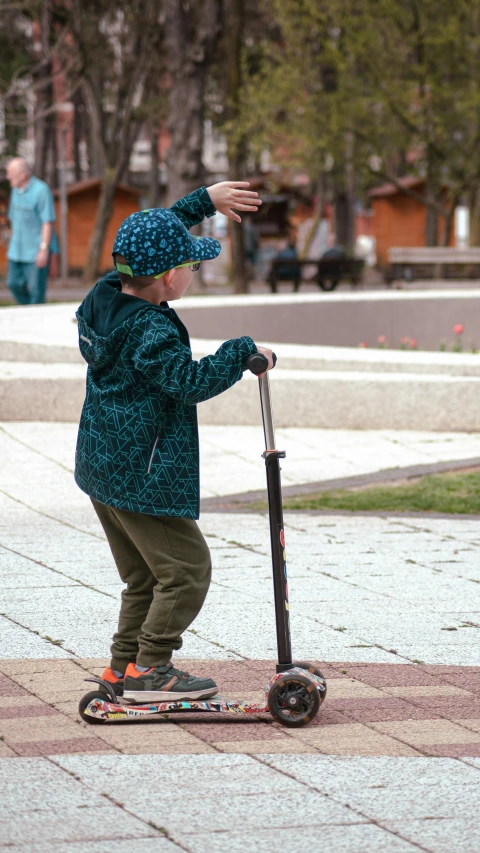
{"points": [[153, 451]]}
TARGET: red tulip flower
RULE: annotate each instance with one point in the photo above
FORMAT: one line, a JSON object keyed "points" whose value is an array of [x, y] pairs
{"points": [[363, 345], [458, 329]]}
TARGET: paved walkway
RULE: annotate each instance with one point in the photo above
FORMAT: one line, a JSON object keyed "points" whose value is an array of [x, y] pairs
{"points": [[388, 607], [231, 456], [213, 803]]}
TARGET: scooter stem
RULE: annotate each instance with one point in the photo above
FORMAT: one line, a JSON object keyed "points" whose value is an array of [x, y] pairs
{"points": [[267, 415], [257, 363]]}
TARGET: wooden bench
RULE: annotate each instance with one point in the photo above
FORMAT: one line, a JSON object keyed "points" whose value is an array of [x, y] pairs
{"points": [[433, 262], [328, 274]]}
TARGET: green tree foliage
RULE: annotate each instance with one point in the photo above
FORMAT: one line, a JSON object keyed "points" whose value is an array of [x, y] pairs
{"points": [[364, 88], [421, 63]]}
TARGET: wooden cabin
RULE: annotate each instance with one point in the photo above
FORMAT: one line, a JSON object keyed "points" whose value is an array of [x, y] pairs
{"points": [[399, 219], [82, 200]]}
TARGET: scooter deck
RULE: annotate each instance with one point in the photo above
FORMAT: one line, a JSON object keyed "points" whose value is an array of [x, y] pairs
{"points": [[105, 709]]}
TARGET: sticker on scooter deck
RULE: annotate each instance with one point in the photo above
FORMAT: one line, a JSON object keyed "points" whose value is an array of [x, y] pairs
{"points": [[105, 709]]}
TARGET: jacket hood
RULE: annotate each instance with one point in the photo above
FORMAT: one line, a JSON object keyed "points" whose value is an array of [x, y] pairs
{"points": [[105, 319]]}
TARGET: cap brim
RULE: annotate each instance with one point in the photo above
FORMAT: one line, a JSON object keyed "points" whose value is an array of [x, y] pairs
{"points": [[204, 248]]}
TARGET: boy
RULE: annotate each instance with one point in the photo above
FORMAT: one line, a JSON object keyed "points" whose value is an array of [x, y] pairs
{"points": [[137, 448]]}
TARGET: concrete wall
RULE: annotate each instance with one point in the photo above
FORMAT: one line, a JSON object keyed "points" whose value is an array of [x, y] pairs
{"points": [[339, 320]]}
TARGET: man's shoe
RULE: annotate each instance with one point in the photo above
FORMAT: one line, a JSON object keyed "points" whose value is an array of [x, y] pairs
{"points": [[165, 683], [113, 680]]}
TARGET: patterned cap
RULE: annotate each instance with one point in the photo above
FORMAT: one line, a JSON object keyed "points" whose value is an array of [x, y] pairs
{"points": [[154, 241]]}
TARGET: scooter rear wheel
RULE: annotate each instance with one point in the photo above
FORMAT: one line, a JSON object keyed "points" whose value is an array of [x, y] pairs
{"points": [[85, 700], [293, 700]]}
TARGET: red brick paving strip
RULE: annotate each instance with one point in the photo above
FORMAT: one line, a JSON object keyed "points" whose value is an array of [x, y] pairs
{"points": [[36, 710], [10, 688], [59, 747], [371, 709], [454, 750]]}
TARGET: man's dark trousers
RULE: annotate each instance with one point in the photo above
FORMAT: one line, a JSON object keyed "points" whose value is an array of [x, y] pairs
{"points": [[27, 282]]}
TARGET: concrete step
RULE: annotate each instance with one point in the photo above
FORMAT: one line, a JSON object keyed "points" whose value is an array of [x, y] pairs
{"points": [[42, 377], [290, 357], [41, 392], [48, 333], [298, 357], [301, 398], [354, 400]]}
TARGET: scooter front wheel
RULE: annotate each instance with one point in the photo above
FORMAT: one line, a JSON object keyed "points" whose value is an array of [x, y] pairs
{"points": [[293, 700]]}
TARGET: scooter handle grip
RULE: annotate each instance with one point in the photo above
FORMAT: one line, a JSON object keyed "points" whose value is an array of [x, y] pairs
{"points": [[258, 363]]}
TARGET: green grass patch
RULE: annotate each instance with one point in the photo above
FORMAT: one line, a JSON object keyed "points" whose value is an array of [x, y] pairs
{"points": [[447, 493]]}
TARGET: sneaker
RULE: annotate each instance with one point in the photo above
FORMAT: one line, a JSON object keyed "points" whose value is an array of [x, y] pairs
{"points": [[164, 683], [115, 682]]}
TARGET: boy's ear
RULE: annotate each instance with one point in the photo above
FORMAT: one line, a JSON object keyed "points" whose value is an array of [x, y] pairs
{"points": [[168, 277]]}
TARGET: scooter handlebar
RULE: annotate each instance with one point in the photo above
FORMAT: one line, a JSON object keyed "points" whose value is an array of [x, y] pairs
{"points": [[258, 363]]}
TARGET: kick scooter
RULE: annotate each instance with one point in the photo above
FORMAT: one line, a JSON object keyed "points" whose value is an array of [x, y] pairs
{"points": [[294, 695]]}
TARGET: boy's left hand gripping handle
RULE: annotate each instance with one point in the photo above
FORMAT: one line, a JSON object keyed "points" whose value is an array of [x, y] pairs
{"points": [[258, 363]]}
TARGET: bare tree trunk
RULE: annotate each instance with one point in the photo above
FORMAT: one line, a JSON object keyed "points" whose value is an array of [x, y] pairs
{"points": [[77, 133], [431, 229], [234, 28], [344, 218], [344, 199], [350, 188], [51, 166], [96, 160], [104, 213], [432, 194], [153, 192], [45, 125], [474, 209], [191, 34], [184, 157], [448, 223], [237, 242], [121, 155]]}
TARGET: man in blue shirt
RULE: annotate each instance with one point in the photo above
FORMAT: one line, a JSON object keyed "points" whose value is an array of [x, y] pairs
{"points": [[32, 215]]}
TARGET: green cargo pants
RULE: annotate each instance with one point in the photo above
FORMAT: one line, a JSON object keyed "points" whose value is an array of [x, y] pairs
{"points": [[166, 565]]}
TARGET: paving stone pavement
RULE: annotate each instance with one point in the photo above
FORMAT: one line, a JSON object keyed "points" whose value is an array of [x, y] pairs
{"points": [[389, 608], [31, 452], [238, 802]]}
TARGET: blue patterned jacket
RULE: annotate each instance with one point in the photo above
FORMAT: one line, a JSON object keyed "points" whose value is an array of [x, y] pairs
{"points": [[137, 446]]}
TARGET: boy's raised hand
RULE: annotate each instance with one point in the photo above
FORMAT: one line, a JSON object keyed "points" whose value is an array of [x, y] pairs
{"points": [[228, 196]]}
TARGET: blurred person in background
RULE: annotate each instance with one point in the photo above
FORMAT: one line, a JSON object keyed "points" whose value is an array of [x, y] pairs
{"points": [[31, 213]]}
